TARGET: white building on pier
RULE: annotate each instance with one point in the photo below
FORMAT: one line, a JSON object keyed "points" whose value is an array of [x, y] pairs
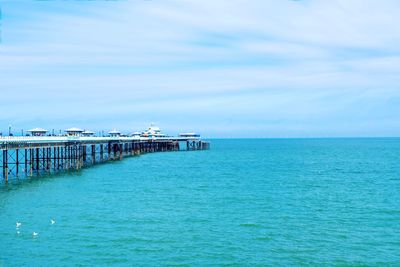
{"points": [[114, 133], [74, 131], [37, 132]]}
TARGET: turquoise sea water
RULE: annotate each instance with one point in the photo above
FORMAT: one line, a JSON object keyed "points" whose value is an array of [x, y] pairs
{"points": [[276, 202]]}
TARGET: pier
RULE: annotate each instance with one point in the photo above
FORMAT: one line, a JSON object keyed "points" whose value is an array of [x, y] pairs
{"points": [[36, 155]]}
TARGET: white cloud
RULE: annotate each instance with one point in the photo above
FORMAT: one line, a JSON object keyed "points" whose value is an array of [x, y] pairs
{"points": [[232, 60]]}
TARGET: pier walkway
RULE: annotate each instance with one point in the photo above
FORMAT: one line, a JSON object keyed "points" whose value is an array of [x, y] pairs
{"points": [[35, 155]]}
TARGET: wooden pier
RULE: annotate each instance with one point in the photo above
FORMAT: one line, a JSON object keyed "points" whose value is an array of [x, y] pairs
{"points": [[29, 156]]}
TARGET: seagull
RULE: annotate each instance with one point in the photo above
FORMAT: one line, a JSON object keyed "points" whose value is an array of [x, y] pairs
{"points": [[18, 224], [52, 221], [35, 234]]}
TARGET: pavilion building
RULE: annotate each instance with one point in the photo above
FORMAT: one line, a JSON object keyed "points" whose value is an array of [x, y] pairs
{"points": [[37, 132]]}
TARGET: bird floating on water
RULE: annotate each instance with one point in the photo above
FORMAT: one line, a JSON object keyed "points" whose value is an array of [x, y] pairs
{"points": [[35, 234], [18, 224], [52, 221]]}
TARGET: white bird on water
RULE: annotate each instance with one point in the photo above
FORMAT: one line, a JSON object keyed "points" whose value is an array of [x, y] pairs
{"points": [[35, 234], [52, 221], [18, 224]]}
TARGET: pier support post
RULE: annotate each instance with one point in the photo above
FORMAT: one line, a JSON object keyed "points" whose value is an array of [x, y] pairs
{"points": [[82, 162], [84, 153], [37, 159], [49, 158], [26, 160], [17, 161], [5, 165], [5, 159], [93, 154], [44, 158], [68, 157], [60, 157], [75, 156], [81, 156], [31, 162]]}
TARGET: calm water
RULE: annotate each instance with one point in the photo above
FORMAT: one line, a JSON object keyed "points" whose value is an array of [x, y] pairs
{"points": [[245, 202]]}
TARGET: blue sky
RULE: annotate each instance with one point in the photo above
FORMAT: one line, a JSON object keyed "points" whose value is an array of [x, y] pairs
{"points": [[227, 68]]}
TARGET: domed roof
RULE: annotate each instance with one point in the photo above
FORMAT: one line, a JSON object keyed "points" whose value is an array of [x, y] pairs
{"points": [[37, 130], [114, 132], [74, 129]]}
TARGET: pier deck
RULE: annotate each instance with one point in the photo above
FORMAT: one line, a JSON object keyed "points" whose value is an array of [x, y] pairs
{"points": [[34, 155]]}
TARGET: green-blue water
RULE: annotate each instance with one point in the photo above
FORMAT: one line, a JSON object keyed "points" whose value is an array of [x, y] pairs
{"points": [[244, 202]]}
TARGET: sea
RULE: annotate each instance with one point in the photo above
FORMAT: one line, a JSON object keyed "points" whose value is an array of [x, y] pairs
{"points": [[244, 202]]}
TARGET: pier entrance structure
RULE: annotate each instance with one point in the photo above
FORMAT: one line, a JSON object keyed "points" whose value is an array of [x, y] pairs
{"points": [[35, 155]]}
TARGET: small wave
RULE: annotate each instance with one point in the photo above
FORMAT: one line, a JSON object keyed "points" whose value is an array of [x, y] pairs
{"points": [[148, 249], [264, 238], [253, 225]]}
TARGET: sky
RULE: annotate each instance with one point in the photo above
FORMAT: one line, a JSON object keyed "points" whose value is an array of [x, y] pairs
{"points": [[226, 68]]}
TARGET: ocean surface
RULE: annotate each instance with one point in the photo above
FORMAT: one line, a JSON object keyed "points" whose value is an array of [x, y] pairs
{"points": [[245, 202]]}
